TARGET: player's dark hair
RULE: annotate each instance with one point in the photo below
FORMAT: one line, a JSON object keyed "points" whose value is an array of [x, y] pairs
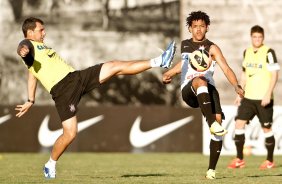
{"points": [[197, 15], [257, 29], [30, 24]]}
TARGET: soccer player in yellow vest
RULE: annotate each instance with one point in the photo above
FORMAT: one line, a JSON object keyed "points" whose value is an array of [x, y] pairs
{"points": [[259, 77], [67, 85]]}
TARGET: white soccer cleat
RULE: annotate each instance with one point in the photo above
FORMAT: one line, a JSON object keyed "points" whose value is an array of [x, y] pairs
{"points": [[49, 173], [210, 174]]}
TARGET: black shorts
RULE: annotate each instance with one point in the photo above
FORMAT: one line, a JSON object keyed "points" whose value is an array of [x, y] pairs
{"points": [[68, 92], [189, 96], [249, 108]]}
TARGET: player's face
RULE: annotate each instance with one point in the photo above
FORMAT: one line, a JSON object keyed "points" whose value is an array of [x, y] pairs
{"points": [[257, 39], [198, 30], [38, 33]]}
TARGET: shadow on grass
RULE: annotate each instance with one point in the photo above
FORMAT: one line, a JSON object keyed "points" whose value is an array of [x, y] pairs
{"points": [[143, 175], [224, 177], [278, 166], [264, 175]]}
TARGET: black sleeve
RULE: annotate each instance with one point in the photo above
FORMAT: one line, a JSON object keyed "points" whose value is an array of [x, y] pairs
{"points": [[29, 58], [272, 59], [183, 42], [244, 54], [185, 46]]}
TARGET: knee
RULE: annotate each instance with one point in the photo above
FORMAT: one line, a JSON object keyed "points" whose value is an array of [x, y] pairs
{"points": [[268, 132], [200, 81], [218, 118], [70, 135], [108, 70], [240, 124], [113, 63]]}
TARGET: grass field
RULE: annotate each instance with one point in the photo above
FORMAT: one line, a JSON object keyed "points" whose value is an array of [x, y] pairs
{"points": [[124, 168]]}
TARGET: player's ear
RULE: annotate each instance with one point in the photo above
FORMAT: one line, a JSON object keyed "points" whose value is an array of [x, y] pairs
{"points": [[29, 32], [190, 29], [208, 29]]}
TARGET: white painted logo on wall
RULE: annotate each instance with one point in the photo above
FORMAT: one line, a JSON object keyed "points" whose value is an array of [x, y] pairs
{"points": [[47, 137], [5, 118], [139, 138]]}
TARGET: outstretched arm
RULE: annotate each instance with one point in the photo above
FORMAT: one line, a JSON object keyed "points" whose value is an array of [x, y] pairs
{"points": [[228, 72], [167, 76], [32, 83]]}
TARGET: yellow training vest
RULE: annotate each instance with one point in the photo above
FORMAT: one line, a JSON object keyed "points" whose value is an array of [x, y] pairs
{"points": [[257, 75], [48, 67]]}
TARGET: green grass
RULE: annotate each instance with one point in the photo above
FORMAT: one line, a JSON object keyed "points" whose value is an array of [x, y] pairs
{"points": [[124, 168]]}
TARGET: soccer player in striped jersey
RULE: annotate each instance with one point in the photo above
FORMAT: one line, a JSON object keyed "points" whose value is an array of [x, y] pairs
{"points": [[198, 86]]}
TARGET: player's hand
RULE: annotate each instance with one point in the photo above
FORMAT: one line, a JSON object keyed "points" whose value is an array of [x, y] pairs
{"points": [[238, 100], [266, 100], [239, 90], [167, 79], [23, 109], [23, 51]]}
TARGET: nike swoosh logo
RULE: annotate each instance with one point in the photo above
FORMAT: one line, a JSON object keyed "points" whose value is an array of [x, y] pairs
{"points": [[139, 139], [4, 118], [206, 103], [250, 75], [47, 137], [51, 55], [269, 166], [219, 131]]}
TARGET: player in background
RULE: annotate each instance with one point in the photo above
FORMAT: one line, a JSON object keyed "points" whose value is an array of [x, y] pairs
{"points": [[67, 85], [198, 87], [258, 78]]}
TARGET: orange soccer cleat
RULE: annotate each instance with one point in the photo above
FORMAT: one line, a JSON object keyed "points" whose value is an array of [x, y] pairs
{"points": [[267, 165], [236, 163]]}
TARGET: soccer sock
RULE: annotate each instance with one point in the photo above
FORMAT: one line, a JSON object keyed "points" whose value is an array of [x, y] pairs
{"points": [[215, 149], [205, 104], [51, 163], [156, 62], [269, 144], [239, 142]]}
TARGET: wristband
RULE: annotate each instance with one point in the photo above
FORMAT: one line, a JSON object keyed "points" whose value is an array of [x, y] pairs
{"points": [[31, 101], [239, 86]]}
